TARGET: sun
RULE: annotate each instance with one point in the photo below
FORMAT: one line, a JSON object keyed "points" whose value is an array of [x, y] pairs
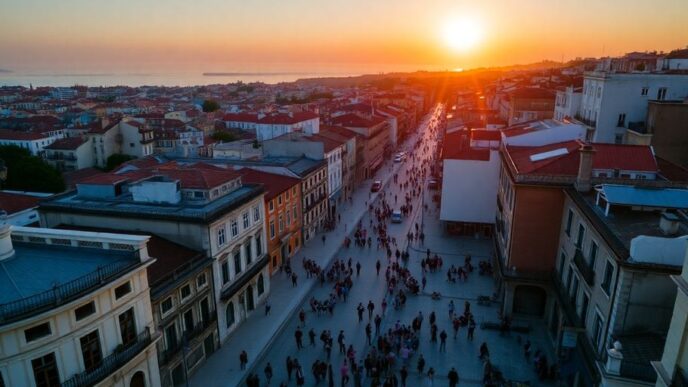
{"points": [[463, 34]]}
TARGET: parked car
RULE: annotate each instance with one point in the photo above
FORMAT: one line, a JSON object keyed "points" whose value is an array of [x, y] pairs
{"points": [[432, 184], [398, 159], [377, 185]]}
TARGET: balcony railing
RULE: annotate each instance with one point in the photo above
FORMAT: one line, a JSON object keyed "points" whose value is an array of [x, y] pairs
{"points": [[62, 294], [586, 121], [174, 348], [111, 363], [584, 267]]}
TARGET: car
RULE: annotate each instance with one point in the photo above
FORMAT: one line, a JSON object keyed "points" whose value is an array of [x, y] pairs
{"points": [[398, 159], [432, 184], [396, 216], [377, 185]]}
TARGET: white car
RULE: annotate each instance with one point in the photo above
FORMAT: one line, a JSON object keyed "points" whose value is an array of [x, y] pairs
{"points": [[398, 159]]}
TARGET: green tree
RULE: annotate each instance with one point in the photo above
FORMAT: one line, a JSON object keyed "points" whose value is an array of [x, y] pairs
{"points": [[210, 106], [116, 160], [29, 173], [223, 136]]}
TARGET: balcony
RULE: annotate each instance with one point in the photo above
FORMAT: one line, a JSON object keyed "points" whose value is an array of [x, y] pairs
{"points": [[584, 268], [111, 363], [174, 348], [57, 156], [586, 121]]}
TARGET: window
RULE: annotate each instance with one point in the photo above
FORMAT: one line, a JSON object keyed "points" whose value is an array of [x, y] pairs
{"points": [[166, 305], [234, 226], [249, 252], [188, 319], [84, 311], [237, 262], [247, 221], [643, 91], [286, 195], [593, 254], [580, 236], [45, 371], [584, 309], [229, 314], [279, 200], [185, 291], [225, 272], [573, 291], [569, 278], [661, 93], [122, 290], [608, 274], [259, 246], [127, 327], [37, 332], [201, 280], [597, 332], [271, 205], [293, 191], [261, 285], [281, 223], [90, 350], [293, 211], [171, 336], [221, 236], [562, 266], [256, 214], [621, 122], [569, 221], [272, 229]]}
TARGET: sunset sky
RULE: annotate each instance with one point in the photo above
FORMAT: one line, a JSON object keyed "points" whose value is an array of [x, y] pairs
{"points": [[291, 35]]}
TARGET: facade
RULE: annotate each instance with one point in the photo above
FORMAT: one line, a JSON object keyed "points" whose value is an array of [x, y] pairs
{"points": [[568, 102], [271, 125], [348, 155], [613, 281], [129, 137], [20, 208], [98, 332], [666, 130], [34, 142], [283, 214], [70, 154], [201, 207], [614, 102]]}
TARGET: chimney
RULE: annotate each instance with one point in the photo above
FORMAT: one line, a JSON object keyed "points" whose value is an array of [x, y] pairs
{"points": [[584, 178], [6, 249]]}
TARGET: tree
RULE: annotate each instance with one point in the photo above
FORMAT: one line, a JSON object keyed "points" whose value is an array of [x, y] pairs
{"points": [[210, 106], [29, 173], [116, 160], [223, 136]]}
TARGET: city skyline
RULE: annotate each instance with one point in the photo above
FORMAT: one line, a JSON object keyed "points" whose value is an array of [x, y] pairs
{"points": [[271, 36]]}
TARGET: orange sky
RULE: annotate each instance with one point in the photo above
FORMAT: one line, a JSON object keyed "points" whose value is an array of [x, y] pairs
{"points": [[381, 35]]}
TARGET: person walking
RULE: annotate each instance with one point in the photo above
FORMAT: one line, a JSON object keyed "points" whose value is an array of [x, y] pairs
{"points": [[453, 377], [330, 376], [431, 377], [403, 374], [340, 340], [456, 324], [420, 365], [360, 309], [302, 317], [378, 321], [471, 329], [267, 307], [368, 331], [358, 269], [268, 372], [378, 265], [344, 371], [298, 336], [294, 279], [311, 337], [371, 307], [290, 367], [243, 359], [443, 341]]}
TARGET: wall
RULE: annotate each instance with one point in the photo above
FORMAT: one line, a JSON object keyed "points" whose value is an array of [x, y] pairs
{"points": [[469, 190], [668, 124]]}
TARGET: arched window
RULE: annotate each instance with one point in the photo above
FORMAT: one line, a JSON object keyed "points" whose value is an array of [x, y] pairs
{"points": [[261, 285], [138, 380], [229, 314]]}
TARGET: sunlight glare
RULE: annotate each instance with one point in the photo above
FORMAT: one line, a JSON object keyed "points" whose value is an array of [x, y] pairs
{"points": [[463, 34]]}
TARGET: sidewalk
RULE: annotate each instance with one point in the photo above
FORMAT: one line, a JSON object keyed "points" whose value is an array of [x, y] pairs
{"points": [[256, 334]]}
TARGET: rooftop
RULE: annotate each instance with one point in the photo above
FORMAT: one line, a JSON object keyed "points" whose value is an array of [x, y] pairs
{"points": [[16, 202], [274, 184], [69, 143]]}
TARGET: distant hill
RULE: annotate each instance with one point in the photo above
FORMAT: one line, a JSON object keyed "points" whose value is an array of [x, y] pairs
{"points": [[5, 71]]}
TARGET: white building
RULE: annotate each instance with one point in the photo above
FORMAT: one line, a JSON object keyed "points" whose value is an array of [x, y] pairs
{"points": [[567, 103], [614, 102], [70, 154], [34, 142], [83, 315], [271, 125]]}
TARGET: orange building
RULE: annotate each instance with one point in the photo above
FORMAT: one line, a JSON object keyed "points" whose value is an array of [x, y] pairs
{"points": [[283, 213]]}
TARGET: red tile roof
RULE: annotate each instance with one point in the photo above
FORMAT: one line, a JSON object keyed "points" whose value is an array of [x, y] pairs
{"points": [[606, 156], [337, 131], [485, 135], [69, 143], [457, 147], [533, 93], [12, 202], [351, 120], [274, 184], [287, 119], [18, 135], [240, 117], [189, 177]]}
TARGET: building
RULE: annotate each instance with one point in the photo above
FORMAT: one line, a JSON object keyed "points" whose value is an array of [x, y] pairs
{"points": [[348, 155], [530, 199], [615, 102], [118, 136], [271, 125], [374, 136], [529, 104], [671, 370], [20, 208], [315, 147], [202, 207], [283, 209], [75, 309], [70, 154], [666, 129], [33, 141], [619, 245], [567, 103]]}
